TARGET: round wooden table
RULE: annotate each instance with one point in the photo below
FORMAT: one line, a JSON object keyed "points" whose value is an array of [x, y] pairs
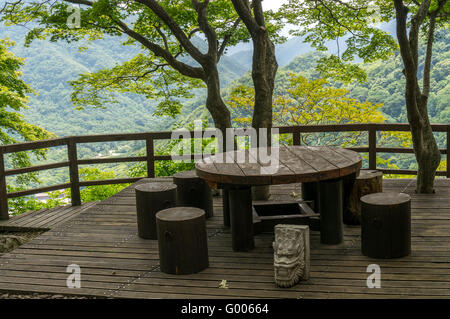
{"points": [[237, 171]]}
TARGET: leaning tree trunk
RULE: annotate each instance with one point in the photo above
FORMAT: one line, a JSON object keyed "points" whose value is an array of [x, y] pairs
{"points": [[264, 69], [215, 104], [427, 154], [425, 147]]}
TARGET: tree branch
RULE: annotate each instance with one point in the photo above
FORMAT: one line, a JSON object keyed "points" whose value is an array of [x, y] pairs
{"points": [[163, 36], [175, 28], [259, 13], [242, 7], [210, 33], [181, 67], [85, 2], [401, 12], [416, 22], [227, 38], [429, 50]]}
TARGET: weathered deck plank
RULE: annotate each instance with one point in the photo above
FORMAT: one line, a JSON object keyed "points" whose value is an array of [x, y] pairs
{"points": [[115, 262], [45, 218]]}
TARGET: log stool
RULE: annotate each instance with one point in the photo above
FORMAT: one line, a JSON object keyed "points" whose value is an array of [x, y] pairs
{"points": [[193, 191], [386, 225], [182, 240], [368, 182], [150, 199]]}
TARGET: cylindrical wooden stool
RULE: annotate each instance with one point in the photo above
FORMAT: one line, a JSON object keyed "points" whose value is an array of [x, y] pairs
{"points": [[369, 181], [193, 191], [386, 225], [182, 240], [150, 199]]}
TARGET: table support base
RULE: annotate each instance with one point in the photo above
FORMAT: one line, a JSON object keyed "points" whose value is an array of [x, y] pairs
{"points": [[310, 192], [331, 223], [240, 206], [226, 207]]}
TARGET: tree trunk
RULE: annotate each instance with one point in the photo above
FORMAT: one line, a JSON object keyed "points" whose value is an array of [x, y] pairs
{"points": [[264, 65], [368, 182], [215, 104], [264, 69], [428, 158], [425, 147]]}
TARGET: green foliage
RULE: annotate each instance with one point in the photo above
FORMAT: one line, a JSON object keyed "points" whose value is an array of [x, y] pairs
{"points": [[162, 168], [307, 102], [176, 147], [13, 99], [152, 72], [20, 205], [99, 192], [355, 21], [386, 84], [135, 76], [334, 68], [50, 66]]}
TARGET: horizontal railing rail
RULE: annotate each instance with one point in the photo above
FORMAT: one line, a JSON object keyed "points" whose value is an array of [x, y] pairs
{"points": [[71, 142]]}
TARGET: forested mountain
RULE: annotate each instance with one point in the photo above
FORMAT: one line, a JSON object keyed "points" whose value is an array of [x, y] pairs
{"points": [[386, 83], [49, 66]]}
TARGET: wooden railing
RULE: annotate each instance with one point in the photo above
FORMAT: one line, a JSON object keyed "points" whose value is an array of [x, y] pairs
{"points": [[150, 137]]}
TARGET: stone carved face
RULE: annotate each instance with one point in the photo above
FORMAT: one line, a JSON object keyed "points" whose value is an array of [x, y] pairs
{"points": [[289, 255]]}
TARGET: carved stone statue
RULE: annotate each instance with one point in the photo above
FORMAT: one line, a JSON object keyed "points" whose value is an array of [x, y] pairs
{"points": [[291, 254]]}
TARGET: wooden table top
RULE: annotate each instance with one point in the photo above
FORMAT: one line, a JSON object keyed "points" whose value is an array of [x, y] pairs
{"points": [[296, 164]]}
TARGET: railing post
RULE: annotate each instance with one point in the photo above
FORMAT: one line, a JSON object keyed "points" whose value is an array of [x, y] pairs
{"points": [[448, 151], [4, 215], [372, 147], [150, 157], [296, 138], [73, 170]]}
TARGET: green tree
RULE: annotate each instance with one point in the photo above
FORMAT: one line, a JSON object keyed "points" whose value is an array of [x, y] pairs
{"points": [[324, 20], [170, 63], [264, 64], [13, 99], [172, 147], [307, 102], [98, 192], [20, 205]]}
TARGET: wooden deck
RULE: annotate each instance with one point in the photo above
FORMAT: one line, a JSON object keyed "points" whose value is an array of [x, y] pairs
{"points": [[45, 218], [102, 239]]}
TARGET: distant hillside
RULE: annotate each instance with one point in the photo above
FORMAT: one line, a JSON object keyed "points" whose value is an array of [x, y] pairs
{"points": [[385, 83], [49, 67], [294, 47], [284, 52]]}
